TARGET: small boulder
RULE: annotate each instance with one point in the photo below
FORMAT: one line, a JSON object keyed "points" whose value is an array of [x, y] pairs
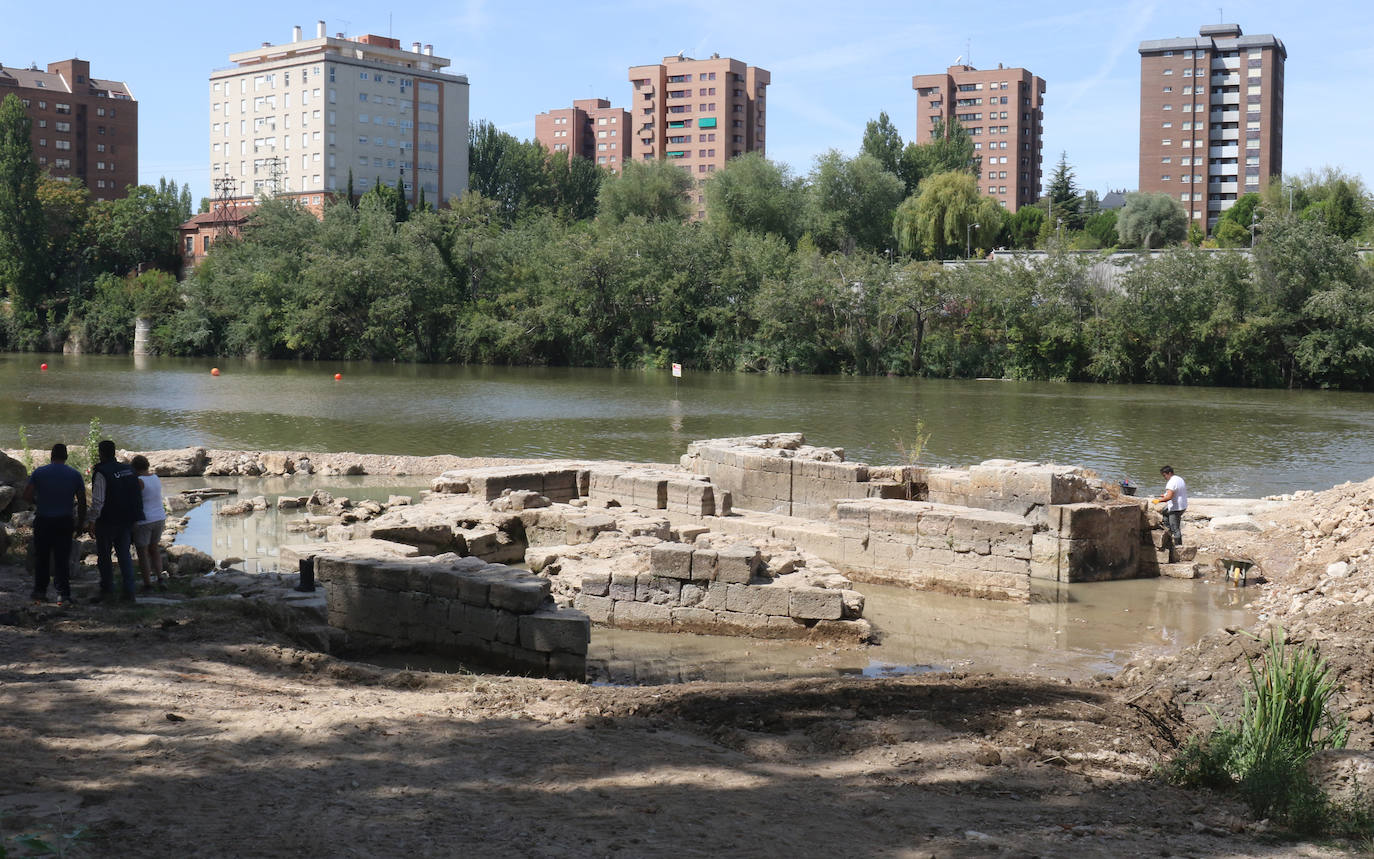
{"points": [[12, 471], [183, 462], [189, 561]]}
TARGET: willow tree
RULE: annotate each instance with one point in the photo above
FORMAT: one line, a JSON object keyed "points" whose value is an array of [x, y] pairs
{"points": [[946, 216]]}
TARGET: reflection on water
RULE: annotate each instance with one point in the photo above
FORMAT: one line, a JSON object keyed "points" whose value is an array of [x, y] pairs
{"points": [[1066, 631], [255, 539], [1074, 631], [1230, 442]]}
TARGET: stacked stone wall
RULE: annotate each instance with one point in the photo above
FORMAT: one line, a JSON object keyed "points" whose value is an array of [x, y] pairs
{"points": [[980, 553], [488, 484], [491, 615], [718, 591], [655, 489]]}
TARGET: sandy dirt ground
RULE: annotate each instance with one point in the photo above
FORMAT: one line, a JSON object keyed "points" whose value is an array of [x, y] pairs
{"points": [[200, 729]]}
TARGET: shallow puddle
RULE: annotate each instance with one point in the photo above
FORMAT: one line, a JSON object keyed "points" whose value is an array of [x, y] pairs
{"points": [[1066, 631]]}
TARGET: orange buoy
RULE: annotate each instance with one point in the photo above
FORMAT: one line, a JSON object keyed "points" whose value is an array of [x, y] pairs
{"points": [[42, 366], [214, 371], [338, 376]]}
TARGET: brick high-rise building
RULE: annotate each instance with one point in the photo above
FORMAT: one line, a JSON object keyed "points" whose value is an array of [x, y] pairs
{"points": [[590, 128], [1003, 111], [83, 128], [698, 113], [1211, 118], [296, 118]]}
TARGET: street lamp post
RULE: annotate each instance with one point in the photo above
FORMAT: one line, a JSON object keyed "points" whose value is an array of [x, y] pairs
{"points": [[968, 240], [1290, 199], [1254, 218]]}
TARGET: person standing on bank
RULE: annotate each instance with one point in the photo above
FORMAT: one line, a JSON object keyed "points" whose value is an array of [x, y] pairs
{"points": [[116, 504], [56, 489], [1175, 501], [147, 533]]}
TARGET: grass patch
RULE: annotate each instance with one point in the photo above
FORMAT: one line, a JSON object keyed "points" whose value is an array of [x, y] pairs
{"points": [[1286, 716]]}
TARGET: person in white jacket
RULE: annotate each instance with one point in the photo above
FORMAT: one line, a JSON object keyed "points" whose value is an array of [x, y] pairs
{"points": [[147, 532]]}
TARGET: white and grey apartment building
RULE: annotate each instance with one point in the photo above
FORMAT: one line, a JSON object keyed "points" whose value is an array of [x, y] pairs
{"points": [[297, 118]]}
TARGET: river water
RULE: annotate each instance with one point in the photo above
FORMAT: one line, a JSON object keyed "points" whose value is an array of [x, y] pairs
{"points": [[1227, 442]]}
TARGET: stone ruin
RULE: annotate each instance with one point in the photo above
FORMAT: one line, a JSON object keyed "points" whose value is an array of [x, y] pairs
{"points": [[759, 536]]}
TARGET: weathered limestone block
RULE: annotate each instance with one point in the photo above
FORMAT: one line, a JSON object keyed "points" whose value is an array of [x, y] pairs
{"points": [[693, 497], [715, 596], [624, 586], [523, 594], [520, 499], [1183, 554], [1180, 571], [583, 529], [815, 604], [704, 564], [596, 584], [657, 590], [276, 464], [691, 595], [757, 599], [598, 609], [185, 462], [673, 560], [643, 615], [696, 620], [1057, 559], [489, 543], [520, 660], [476, 620], [563, 630], [736, 564]]}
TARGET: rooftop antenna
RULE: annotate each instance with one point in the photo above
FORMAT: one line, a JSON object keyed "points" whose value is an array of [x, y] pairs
{"points": [[968, 50], [388, 25]]}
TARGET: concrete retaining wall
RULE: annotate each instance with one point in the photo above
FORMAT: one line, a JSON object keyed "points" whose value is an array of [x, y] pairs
{"points": [[494, 616]]}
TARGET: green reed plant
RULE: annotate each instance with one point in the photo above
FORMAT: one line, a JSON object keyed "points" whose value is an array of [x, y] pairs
{"points": [[24, 446], [1286, 715]]}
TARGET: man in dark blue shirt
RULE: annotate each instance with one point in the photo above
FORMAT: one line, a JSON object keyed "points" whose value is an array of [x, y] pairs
{"points": [[56, 489], [116, 504]]}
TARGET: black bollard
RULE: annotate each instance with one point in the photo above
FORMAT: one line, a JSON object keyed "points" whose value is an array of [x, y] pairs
{"points": [[307, 584]]}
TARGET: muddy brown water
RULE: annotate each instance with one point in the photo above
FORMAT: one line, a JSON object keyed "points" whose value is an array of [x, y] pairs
{"points": [[1074, 631]]}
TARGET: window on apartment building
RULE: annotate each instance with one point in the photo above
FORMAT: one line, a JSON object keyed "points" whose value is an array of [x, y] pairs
{"points": [[1165, 142], [1168, 72], [1164, 178]]}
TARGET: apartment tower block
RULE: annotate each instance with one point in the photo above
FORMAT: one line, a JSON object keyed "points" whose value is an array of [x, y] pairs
{"points": [[698, 113], [590, 128], [1211, 118], [1003, 111], [83, 129], [297, 118]]}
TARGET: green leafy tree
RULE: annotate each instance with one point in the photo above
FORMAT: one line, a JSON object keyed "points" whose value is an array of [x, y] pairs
{"points": [[1230, 234], [1022, 228], [574, 185], [945, 216], [1152, 220], [655, 190], [883, 142], [851, 202], [23, 266], [949, 148], [752, 193], [1102, 227], [507, 170], [140, 228]]}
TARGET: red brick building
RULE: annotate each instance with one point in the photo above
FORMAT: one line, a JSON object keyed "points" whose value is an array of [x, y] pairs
{"points": [[1003, 111], [200, 232], [698, 113], [1211, 118], [83, 128], [590, 128]]}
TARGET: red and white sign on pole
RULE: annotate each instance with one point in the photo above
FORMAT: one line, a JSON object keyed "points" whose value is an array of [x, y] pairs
{"points": [[677, 371]]}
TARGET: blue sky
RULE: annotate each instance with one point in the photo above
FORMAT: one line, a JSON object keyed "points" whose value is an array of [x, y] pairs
{"points": [[834, 66]]}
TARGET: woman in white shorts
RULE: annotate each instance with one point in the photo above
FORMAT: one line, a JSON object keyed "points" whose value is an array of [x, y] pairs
{"points": [[147, 532]]}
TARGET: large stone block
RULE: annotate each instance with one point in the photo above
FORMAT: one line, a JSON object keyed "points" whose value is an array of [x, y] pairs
{"points": [[736, 564], [657, 589], [478, 621], [624, 586], [815, 604], [671, 560], [643, 615], [520, 660], [519, 593], [704, 565], [715, 596], [583, 529], [757, 599], [566, 630], [697, 620], [598, 609], [596, 584]]}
